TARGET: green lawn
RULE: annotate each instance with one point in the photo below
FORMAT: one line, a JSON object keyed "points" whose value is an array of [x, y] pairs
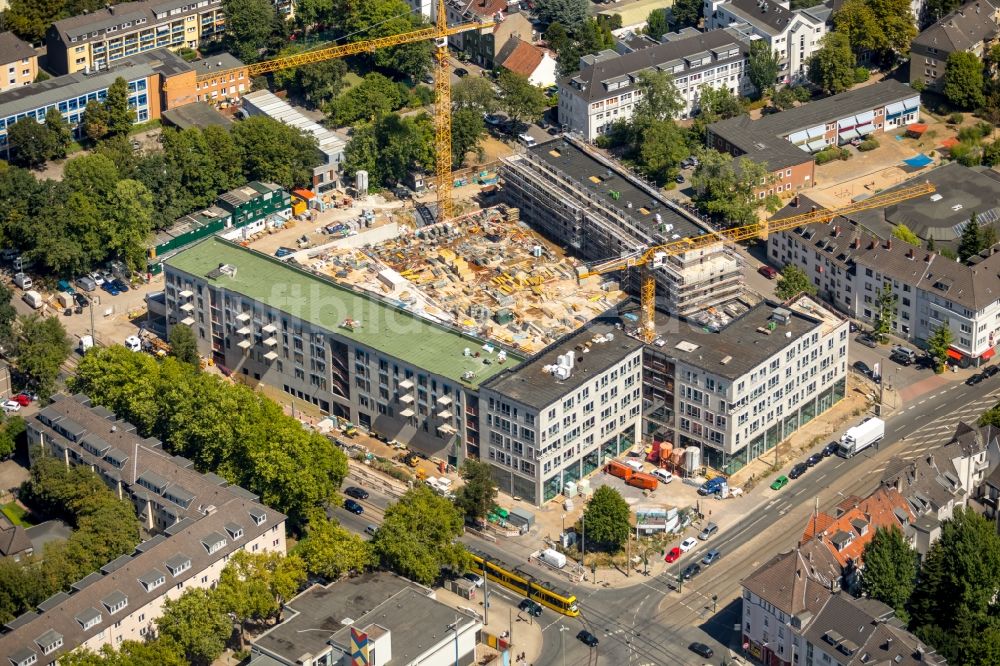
{"points": [[351, 79], [16, 514]]}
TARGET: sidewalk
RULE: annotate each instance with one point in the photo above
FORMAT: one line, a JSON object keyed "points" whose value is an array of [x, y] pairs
{"points": [[523, 631]]}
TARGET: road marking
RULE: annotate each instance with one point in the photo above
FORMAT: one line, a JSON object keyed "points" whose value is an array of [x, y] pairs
{"points": [[922, 401]]}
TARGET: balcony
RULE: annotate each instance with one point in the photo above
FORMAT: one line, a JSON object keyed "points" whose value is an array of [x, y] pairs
{"points": [[187, 321]]}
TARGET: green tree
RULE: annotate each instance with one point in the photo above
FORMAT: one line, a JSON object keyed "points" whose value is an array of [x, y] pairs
{"points": [[62, 134], [607, 519], [367, 19], [129, 222], [793, 282], [467, 130], [120, 115], [8, 315], [657, 23], [991, 417], [29, 19], [953, 605], [856, 21], [475, 93], [11, 430], [40, 348], [963, 80], [477, 496], [659, 100], [375, 96], [419, 536], [519, 99], [716, 104], [897, 27], [248, 26], [95, 121], [885, 312], [254, 586], [762, 67], [275, 152], [160, 652], [685, 14], [31, 143], [663, 147], [903, 233], [784, 99], [832, 66], [569, 13], [890, 570], [728, 189], [196, 623], [183, 345], [331, 551], [938, 344], [971, 242]]}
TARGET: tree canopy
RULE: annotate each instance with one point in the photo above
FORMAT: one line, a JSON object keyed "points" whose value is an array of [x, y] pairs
{"points": [[390, 147], [890, 571], [727, 189], [40, 348], [793, 282], [938, 343], [254, 586], [963, 80], [832, 66], [197, 624], [762, 66], [331, 551], [183, 345], [518, 98], [249, 24], [570, 13], [477, 496], [275, 152], [971, 242], [606, 520], [419, 536]]}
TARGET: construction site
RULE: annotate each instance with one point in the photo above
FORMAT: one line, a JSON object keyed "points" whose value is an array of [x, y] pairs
{"points": [[485, 272]]}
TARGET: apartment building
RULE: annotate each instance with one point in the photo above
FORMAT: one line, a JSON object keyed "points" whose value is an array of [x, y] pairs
{"points": [[483, 46], [347, 352], [18, 60], [794, 612], [737, 385], [971, 28], [786, 141], [198, 521], [853, 259], [384, 616], [101, 38], [591, 206], [564, 413], [604, 90], [157, 81], [793, 35]]}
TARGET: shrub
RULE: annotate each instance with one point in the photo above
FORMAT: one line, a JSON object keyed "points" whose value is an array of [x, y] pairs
{"points": [[861, 74], [956, 118], [918, 85], [831, 153], [802, 94], [870, 143]]}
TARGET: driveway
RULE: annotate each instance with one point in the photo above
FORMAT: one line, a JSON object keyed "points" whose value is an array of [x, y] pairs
{"points": [[12, 475]]}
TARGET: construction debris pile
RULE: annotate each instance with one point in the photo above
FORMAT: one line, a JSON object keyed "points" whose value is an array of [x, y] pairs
{"points": [[484, 272]]}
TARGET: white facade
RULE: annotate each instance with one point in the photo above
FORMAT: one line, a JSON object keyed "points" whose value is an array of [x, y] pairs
{"points": [[545, 73]]}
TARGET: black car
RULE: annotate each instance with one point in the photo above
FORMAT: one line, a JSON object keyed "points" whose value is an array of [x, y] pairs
{"points": [[867, 340], [531, 607], [356, 493], [587, 638], [798, 470], [679, 178], [830, 449], [691, 570], [353, 507], [461, 72], [863, 368], [814, 459], [702, 650], [120, 285], [975, 379], [81, 300], [990, 370]]}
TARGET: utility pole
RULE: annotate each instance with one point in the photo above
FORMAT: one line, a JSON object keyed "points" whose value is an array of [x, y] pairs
{"points": [[486, 592], [562, 642], [454, 627], [583, 540], [628, 555]]}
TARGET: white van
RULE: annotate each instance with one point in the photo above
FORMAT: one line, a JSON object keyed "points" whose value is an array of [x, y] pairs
{"points": [[133, 343], [22, 281], [634, 464], [662, 475], [527, 140]]}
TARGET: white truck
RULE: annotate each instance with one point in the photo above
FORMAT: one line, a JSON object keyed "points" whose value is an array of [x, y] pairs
{"points": [[553, 558], [860, 437]]}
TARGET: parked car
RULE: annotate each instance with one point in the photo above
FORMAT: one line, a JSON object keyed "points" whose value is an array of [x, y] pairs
{"points": [[679, 178], [662, 475], [64, 285], [22, 399], [461, 72], [97, 278], [768, 272], [371, 529], [587, 638], [86, 283], [531, 607], [990, 370], [356, 493], [673, 555], [691, 570], [353, 507], [473, 578], [709, 530], [903, 355], [702, 650], [830, 449], [814, 459], [688, 544], [110, 288], [798, 470], [81, 300], [863, 368], [779, 483], [975, 379], [11, 406], [867, 340], [120, 285], [711, 557]]}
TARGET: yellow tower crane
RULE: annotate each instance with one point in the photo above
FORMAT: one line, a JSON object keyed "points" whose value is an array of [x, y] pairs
{"points": [[654, 257], [442, 85]]}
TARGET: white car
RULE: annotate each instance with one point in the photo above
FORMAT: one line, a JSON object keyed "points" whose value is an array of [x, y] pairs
{"points": [[663, 475], [11, 406], [133, 343], [688, 544], [97, 278], [476, 579]]}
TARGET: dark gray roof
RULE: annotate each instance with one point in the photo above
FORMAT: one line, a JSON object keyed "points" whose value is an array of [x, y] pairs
{"points": [[763, 139], [529, 385], [13, 48], [797, 580], [737, 348], [60, 88], [587, 83], [774, 19], [962, 29], [199, 114], [116, 15]]}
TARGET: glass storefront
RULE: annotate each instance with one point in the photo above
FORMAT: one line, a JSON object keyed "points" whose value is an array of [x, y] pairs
{"points": [[552, 487], [591, 461]]}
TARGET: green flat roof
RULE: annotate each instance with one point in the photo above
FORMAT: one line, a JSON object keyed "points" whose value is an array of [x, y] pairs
{"points": [[321, 302]]}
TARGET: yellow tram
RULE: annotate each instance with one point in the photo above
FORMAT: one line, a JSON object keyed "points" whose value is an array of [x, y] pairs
{"points": [[524, 584]]}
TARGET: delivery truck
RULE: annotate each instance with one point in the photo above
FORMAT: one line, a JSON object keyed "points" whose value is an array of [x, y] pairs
{"points": [[642, 480], [553, 558], [620, 470], [860, 437]]}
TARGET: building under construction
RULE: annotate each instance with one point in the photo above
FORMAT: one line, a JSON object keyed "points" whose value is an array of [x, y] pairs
{"points": [[594, 209]]}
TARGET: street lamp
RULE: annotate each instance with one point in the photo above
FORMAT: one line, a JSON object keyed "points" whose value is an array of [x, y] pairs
{"points": [[562, 642]]}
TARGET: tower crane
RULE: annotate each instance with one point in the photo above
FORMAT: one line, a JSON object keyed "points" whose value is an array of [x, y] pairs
{"points": [[439, 32], [654, 257]]}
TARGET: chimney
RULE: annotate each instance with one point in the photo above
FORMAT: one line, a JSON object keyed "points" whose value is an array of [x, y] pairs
{"points": [[836, 231], [871, 244], [856, 243], [888, 243], [795, 201], [927, 258], [910, 254]]}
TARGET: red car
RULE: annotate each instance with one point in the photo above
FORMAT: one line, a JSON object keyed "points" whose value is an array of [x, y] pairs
{"points": [[768, 272], [673, 555], [22, 399]]}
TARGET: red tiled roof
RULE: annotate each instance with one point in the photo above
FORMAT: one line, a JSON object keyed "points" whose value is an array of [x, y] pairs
{"points": [[486, 8], [524, 59], [856, 526]]}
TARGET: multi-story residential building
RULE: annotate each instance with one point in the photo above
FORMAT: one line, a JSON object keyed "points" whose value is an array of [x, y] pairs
{"points": [[589, 204], [534, 63], [103, 37], [563, 414], [483, 46], [793, 35], [972, 28], [199, 521], [736, 386], [391, 620], [230, 84], [18, 61], [853, 260], [786, 141], [795, 613], [349, 353], [157, 81], [604, 90]]}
